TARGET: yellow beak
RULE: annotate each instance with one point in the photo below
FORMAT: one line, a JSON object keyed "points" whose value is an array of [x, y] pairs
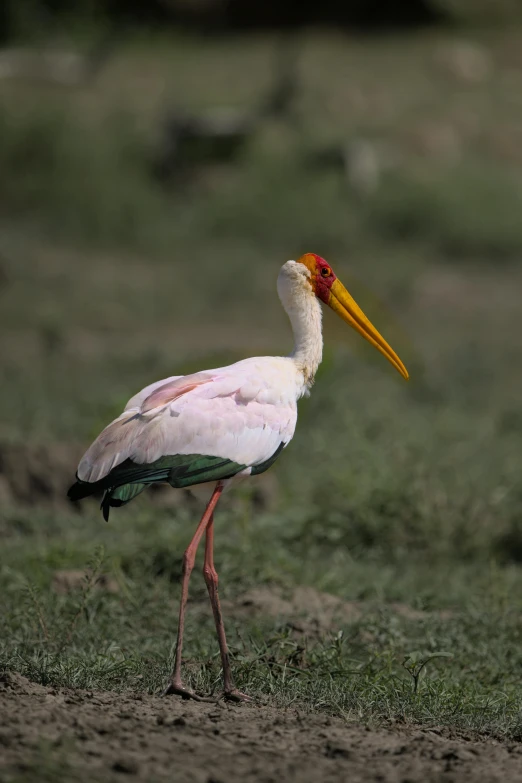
{"points": [[344, 305]]}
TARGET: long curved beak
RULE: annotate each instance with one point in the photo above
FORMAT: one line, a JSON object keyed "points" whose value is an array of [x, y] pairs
{"points": [[344, 305]]}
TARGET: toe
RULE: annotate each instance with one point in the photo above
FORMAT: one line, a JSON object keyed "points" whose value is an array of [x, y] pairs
{"points": [[237, 696], [179, 689]]}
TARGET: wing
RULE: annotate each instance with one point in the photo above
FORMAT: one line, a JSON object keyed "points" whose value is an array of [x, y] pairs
{"points": [[135, 402], [241, 414]]}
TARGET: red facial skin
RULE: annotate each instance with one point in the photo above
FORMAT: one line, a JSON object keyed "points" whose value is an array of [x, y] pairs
{"points": [[322, 277]]}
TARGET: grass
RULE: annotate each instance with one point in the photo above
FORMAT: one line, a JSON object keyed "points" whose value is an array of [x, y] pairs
{"points": [[364, 670], [390, 493]]}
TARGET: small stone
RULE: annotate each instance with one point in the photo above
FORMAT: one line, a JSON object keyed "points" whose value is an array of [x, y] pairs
{"points": [[336, 750], [126, 766]]}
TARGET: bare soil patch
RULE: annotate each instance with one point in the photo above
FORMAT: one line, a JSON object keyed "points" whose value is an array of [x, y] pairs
{"points": [[106, 736], [309, 611], [32, 475]]}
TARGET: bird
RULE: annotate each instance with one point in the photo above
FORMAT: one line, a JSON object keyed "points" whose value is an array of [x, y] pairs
{"points": [[221, 134], [216, 426]]}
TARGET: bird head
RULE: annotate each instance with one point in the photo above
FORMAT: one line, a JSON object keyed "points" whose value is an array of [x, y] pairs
{"points": [[328, 288]]}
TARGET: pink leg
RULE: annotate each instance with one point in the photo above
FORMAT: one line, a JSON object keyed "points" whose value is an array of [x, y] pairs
{"points": [[176, 685], [211, 579]]}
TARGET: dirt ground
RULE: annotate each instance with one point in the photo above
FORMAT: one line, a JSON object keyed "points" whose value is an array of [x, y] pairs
{"points": [[106, 737]]}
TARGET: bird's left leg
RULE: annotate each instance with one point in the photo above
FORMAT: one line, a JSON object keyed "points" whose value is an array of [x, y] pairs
{"points": [[176, 685], [211, 578]]}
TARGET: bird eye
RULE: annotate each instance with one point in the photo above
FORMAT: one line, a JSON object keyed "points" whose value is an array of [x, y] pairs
{"points": [[325, 271]]}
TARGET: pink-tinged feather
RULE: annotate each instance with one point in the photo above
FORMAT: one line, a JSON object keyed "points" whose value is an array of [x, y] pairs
{"points": [[173, 390], [242, 412], [136, 400]]}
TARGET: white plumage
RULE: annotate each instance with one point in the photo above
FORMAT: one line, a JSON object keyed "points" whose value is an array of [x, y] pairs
{"points": [[242, 412]]}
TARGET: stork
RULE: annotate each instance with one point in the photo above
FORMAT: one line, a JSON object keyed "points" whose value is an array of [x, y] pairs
{"points": [[217, 425]]}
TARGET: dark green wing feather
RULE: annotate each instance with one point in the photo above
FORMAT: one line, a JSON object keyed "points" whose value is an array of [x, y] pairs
{"points": [[201, 469], [127, 480], [256, 469]]}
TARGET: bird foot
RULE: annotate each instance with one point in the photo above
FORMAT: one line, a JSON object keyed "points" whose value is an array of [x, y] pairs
{"points": [[177, 688], [232, 694]]}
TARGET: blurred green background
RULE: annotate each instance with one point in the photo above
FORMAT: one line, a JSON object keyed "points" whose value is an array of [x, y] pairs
{"points": [[158, 163]]}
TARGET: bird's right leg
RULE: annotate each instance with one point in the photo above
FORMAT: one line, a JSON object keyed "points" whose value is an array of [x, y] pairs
{"points": [[176, 685], [211, 578]]}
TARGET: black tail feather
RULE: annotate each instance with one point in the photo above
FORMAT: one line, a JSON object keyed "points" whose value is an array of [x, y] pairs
{"points": [[82, 489], [105, 505]]}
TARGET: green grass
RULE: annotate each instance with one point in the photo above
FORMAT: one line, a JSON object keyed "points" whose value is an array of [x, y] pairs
{"points": [[390, 493], [93, 639]]}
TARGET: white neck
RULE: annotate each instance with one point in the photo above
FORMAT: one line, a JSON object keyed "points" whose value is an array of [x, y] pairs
{"points": [[304, 312], [308, 337]]}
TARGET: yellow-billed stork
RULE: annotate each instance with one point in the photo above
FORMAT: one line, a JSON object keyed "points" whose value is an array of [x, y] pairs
{"points": [[216, 425]]}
